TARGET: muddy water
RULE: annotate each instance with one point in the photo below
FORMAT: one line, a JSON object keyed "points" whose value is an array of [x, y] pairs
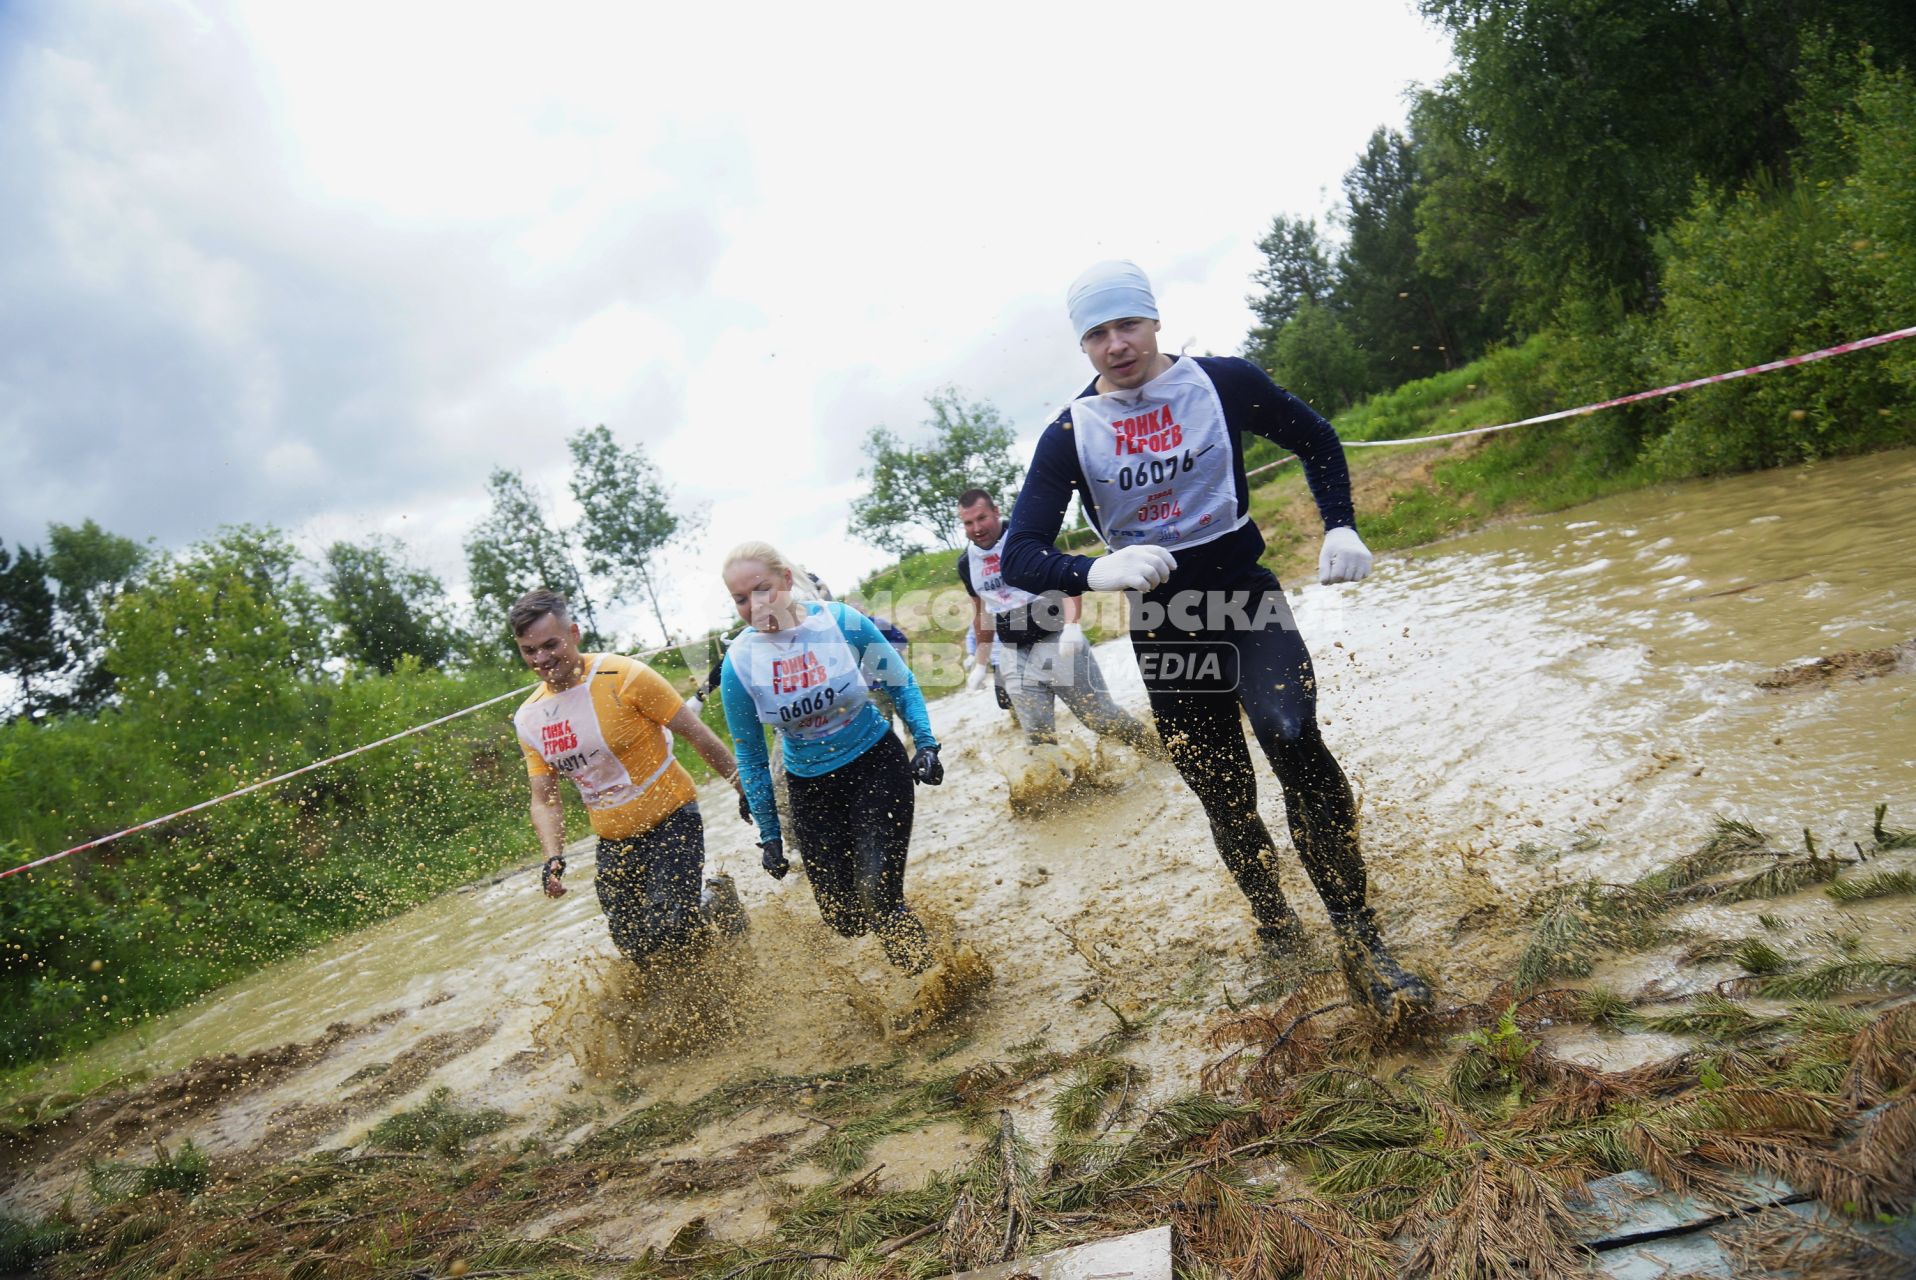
{"points": [[1564, 696]]}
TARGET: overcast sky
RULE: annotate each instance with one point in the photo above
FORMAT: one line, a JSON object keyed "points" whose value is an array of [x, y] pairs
{"points": [[324, 266]]}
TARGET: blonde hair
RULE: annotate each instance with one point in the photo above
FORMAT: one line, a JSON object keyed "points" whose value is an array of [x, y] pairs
{"points": [[767, 554]]}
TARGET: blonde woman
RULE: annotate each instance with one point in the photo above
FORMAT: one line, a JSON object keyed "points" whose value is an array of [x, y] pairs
{"points": [[803, 667]]}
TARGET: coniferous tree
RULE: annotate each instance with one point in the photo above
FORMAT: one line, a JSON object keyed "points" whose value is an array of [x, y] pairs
{"points": [[29, 648]]}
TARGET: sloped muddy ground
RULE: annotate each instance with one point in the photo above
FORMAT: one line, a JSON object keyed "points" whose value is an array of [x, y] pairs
{"points": [[1542, 720]]}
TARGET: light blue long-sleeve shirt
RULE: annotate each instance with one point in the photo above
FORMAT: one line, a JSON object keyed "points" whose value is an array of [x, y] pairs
{"points": [[881, 663]]}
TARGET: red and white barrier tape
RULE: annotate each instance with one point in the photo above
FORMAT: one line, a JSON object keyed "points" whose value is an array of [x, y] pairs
{"points": [[1808, 357], [308, 768]]}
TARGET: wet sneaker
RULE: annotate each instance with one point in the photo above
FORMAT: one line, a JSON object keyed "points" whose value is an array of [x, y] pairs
{"points": [[905, 942], [721, 908], [1373, 975], [1284, 939]]}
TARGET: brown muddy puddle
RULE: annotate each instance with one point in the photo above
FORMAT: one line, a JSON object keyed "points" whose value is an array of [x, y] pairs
{"points": [[1557, 698]]}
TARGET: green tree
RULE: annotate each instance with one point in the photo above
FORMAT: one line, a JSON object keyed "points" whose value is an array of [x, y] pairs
{"points": [[1775, 269], [93, 567], [384, 608], [1316, 359], [1877, 203], [29, 648], [224, 628], [1297, 269], [628, 523], [1396, 311], [515, 549], [1470, 225], [914, 490], [1595, 120]]}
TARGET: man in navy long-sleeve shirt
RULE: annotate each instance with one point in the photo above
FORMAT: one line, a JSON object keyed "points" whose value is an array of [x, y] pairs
{"points": [[1152, 447]]}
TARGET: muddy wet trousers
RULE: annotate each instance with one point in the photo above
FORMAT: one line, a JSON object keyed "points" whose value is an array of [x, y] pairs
{"points": [[854, 827], [649, 884], [1035, 675], [1198, 679]]}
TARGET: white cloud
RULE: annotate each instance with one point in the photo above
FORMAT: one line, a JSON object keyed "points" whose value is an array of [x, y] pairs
{"points": [[328, 266]]}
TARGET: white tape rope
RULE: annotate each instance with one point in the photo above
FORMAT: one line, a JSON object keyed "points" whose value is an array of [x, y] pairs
{"points": [[1808, 357], [1787, 362], [294, 773]]}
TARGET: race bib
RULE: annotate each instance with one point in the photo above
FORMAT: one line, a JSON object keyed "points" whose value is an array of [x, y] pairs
{"points": [[565, 731], [988, 579], [1158, 461], [806, 682]]}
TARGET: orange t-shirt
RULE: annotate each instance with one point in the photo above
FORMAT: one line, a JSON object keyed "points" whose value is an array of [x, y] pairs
{"points": [[607, 734]]}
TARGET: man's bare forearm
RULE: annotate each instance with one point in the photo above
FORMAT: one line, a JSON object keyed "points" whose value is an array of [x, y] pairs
{"points": [[548, 821]]}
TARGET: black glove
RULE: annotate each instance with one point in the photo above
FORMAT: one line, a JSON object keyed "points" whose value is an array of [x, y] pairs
{"points": [[771, 856], [744, 807], [925, 767], [998, 692]]}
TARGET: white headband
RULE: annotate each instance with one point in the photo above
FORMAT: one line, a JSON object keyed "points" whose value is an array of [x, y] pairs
{"points": [[1109, 291]]}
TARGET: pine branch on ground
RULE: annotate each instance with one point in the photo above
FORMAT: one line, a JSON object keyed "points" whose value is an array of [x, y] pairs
{"points": [[1785, 876], [1729, 841], [991, 1219], [1256, 1234], [1581, 921], [1880, 884], [1494, 1218], [1095, 1085], [1285, 1039], [1778, 1242], [1882, 1057], [1835, 976], [1884, 1158]]}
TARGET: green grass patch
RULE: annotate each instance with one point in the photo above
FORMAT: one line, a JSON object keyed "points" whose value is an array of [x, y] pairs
{"points": [[185, 1172], [438, 1124], [24, 1244]]}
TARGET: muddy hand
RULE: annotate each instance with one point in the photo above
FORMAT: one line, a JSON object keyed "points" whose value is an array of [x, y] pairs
{"points": [[772, 858], [925, 767], [549, 877]]}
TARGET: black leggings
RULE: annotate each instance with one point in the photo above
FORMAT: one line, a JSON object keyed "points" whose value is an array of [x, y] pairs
{"points": [[853, 827], [648, 884], [1205, 655]]}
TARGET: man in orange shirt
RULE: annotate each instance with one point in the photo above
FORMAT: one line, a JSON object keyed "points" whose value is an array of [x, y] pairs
{"points": [[606, 722]]}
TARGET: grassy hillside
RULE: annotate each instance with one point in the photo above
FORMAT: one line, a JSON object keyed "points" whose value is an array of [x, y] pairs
{"points": [[1413, 494]]}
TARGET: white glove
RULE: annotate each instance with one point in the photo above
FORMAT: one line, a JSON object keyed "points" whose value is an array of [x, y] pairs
{"points": [[1345, 558], [1070, 640], [1131, 569], [697, 703], [976, 679]]}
